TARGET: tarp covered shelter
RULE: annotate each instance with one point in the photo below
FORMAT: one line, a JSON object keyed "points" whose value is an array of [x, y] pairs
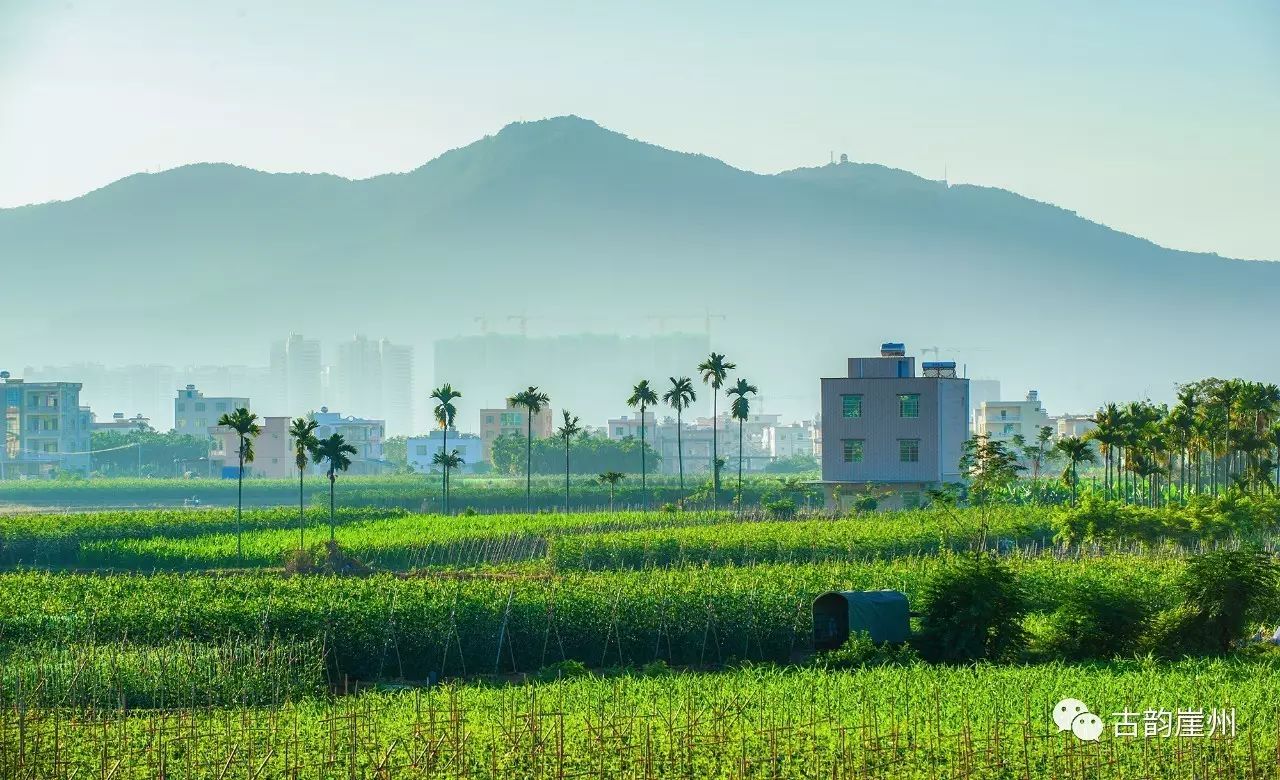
{"points": [[883, 614]]}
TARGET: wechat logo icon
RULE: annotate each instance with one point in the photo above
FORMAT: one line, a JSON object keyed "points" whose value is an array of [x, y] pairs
{"points": [[1074, 716]]}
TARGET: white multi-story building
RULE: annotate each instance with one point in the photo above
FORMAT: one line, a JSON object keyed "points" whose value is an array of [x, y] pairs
{"points": [[627, 426], [366, 435], [1072, 425], [194, 413], [788, 441], [421, 449], [45, 428], [1002, 420]]}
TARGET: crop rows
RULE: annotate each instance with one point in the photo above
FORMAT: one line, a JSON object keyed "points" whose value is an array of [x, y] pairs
{"points": [[912, 722], [386, 626]]}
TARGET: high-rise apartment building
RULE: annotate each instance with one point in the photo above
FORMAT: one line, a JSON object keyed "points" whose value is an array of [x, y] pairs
{"points": [[296, 368], [375, 378]]}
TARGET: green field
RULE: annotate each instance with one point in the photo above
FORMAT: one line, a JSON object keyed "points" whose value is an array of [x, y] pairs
{"points": [[628, 644]]}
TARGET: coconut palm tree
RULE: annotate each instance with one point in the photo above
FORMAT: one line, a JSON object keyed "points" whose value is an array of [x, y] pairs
{"points": [[1075, 450], [715, 369], [245, 425], [740, 410], [679, 397], [567, 431], [334, 451], [611, 478], [532, 401], [445, 412], [303, 432], [642, 397]]}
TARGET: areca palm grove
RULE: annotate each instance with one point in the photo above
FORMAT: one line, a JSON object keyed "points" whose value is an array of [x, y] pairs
{"points": [[1220, 435]]}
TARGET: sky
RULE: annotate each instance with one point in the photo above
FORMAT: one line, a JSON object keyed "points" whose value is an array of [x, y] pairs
{"points": [[1160, 119]]}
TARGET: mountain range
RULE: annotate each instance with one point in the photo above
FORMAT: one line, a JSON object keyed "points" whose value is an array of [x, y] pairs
{"points": [[579, 228]]}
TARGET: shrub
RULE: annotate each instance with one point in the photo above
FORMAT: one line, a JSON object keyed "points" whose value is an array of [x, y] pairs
{"points": [[1224, 591], [562, 670], [859, 651], [328, 558], [1097, 622], [973, 609]]}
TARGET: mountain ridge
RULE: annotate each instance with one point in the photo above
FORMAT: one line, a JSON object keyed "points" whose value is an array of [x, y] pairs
{"points": [[587, 228]]}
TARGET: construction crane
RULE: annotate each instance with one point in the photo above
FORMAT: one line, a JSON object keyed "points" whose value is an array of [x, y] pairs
{"points": [[706, 320]]}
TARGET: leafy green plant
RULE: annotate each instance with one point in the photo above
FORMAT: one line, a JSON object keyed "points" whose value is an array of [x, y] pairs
{"points": [[973, 609]]}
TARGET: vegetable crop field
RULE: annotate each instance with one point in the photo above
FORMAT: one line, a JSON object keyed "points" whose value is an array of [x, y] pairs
{"points": [[668, 643]]}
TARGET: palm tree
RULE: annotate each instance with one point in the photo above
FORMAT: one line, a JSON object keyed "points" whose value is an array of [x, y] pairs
{"points": [[1076, 450], [245, 425], [1226, 394], [445, 411], [303, 431], [567, 431], [611, 478], [714, 371], [642, 396], [679, 397], [448, 461], [333, 450], [741, 410], [1273, 436], [533, 401]]}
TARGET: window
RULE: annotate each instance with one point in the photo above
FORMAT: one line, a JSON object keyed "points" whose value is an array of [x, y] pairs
{"points": [[488, 419], [909, 450], [422, 450], [1009, 428], [851, 406], [221, 406], [199, 407], [1004, 414], [182, 407], [853, 450], [511, 418], [910, 499], [619, 432], [909, 405]]}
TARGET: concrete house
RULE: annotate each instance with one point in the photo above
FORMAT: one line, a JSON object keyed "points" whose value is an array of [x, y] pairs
{"points": [[890, 432]]}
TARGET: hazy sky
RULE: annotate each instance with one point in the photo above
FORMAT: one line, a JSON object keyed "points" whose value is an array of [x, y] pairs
{"points": [[1158, 118]]}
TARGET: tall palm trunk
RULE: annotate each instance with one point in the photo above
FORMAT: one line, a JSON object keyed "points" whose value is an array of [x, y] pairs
{"points": [[239, 502], [644, 490], [444, 471], [332, 524], [566, 475], [680, 454], [715, 453], [302, 515], [528, 463], [739, 466]]}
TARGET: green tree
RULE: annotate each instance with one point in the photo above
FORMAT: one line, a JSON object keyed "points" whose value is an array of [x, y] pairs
{"points": [[334, 451], [642, 397], [991, 466], [679, 397], [611, 478], [245, 425], [1107, 434], [447, 461], [445, 412], [1075, 450], [569, 429], [532, 401], [715, 369], [740, 410], [303, 432]]}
